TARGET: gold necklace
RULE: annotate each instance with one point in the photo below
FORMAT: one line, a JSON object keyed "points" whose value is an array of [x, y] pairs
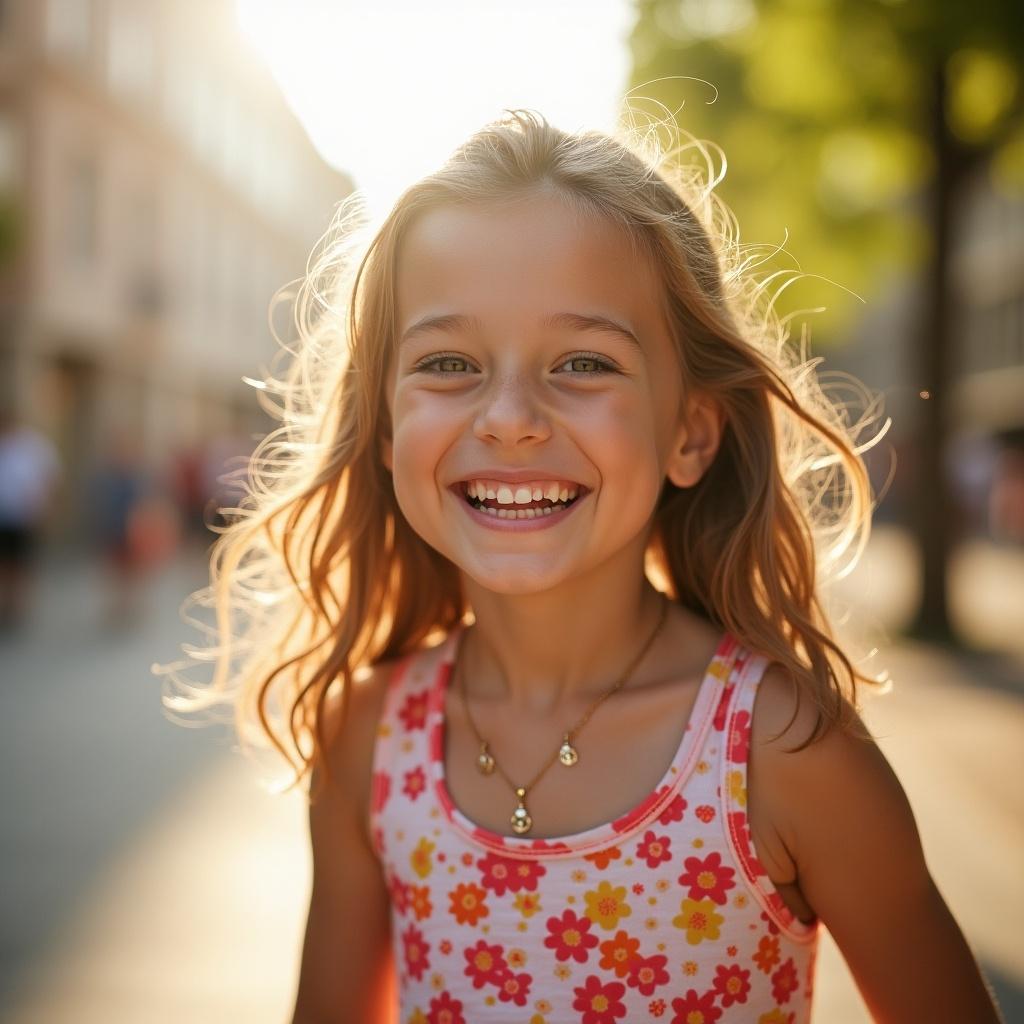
{"points": [[486, 763]]}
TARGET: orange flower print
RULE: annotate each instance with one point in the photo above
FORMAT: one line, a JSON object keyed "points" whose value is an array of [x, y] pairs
{"points": [[516, 958], [468, 903], [656, 1007], [654, 849], [784, 982], [607, 905], [485, 964], [445, 947], [416, 950], [695, 1009], [527, 903], [503, 873], [420, 858], [647, 973], [732, 984], [603, 858], [413, 712], [708, 877], [674, 811], [515, 988], [600, 1004], [776, 1016], [699, 920], [767, 955], [570, 936], [445, 1010], [415, 782], [419, 901], [619, 953]]}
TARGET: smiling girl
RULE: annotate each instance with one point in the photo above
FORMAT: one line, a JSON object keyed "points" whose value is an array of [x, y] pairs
{"points": [[528, 587]]}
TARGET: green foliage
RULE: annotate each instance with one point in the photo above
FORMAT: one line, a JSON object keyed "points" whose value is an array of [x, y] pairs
{"points": [[822, 110]]}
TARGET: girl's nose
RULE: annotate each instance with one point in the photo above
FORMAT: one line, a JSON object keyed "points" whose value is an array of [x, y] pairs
{"points": [[510, 414]]}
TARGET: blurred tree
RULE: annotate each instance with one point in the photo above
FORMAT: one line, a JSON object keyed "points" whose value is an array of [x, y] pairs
{"points": [[854, 126]]}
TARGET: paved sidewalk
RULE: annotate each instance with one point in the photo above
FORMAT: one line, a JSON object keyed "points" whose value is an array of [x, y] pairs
{"points": [[197, 909]]}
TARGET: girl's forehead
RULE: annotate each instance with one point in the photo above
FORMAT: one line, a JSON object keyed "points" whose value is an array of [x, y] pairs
{"points": [[535, 253]]}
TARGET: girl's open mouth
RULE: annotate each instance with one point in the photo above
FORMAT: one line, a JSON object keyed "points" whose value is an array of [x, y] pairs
{"points": [[537, 504]]}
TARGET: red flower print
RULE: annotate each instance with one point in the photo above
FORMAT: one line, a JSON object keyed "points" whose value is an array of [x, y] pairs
{"points": [[505, 873], [739, 738], [419, 900], [445, 947], [732, 984], [468, 903], [656, 1007], [695, 1009], [674, 811], [445, 1010], [720, 710], [619, 953], [767, 955], [380, 790], [638, 888], [706, 813], [600, 1004], [486, 964], [637, 813], [604, 857], [654, 849], [416, 949], [647, 973], [570, 936], [399, 894], [707, 878], [784, 982], [415, 782], [515, 988], [773, 928], [413, 712]]}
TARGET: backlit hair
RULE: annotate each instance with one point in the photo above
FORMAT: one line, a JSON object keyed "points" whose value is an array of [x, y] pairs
{"points": [[318, 575]]}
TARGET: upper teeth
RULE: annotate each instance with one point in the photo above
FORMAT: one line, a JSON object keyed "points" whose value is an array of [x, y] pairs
{"points": [[521, 494]]}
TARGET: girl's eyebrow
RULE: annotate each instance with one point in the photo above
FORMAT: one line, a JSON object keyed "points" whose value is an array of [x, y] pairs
{"points": [[574, 321]]}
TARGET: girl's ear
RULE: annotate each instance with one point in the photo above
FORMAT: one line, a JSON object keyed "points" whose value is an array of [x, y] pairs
{"points": [[696, 442]]}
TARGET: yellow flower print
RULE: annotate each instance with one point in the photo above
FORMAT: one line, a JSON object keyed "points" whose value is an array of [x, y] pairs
{"points": [[562, 971], [719, 669], [420, 859], [736, 788], [775, 1017], [416, 1017], [527, 903], [542, 1006], [579, 875], [516, 958], [537, 1019], [699, 920], [437, 982], [690, 968], [703, 767], [607, 905]]}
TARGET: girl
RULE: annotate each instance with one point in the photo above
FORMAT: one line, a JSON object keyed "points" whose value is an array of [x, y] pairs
{"points": [[527, 582]]}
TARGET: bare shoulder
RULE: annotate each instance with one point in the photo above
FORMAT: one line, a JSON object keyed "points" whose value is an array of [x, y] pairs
{"points": [[848, 826]]}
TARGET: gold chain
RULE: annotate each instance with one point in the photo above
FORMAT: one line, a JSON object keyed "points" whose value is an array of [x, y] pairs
{"points": [[566, 753]]}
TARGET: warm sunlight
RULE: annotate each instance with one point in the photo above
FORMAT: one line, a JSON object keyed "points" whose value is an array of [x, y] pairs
{"points": [[387, 90]]}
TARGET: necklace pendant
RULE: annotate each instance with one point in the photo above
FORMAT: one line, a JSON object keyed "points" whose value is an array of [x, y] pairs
{"points": [[521, 820], [567, 753], [484, 760]]}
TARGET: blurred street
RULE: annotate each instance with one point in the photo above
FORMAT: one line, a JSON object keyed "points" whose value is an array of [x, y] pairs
{"points": [[150, 879]]}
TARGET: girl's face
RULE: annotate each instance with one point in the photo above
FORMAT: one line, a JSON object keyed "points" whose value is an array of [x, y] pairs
{"points": [[503, 367]]}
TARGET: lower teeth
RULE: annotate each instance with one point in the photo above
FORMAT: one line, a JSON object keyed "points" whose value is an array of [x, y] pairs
{"points": [[520, 513]]}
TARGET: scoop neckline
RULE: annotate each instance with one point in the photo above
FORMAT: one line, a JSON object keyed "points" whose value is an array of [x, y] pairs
{"points": [[598, 837]]}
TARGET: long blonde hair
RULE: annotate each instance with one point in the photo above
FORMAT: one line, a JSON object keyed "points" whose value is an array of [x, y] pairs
{"points": [[318, 575]]}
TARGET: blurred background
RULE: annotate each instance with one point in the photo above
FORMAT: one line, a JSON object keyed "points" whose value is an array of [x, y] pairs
{"points": [[166, 167]]}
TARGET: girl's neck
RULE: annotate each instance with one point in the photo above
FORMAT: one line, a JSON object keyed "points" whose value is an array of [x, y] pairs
{"points": [[539, 654]]}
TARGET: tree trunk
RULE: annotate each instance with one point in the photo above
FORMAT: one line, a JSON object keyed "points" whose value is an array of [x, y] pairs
{"points": [[934, 511]]}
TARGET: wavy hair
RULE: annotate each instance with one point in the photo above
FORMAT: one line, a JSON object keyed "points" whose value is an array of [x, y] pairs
{"points": [[317, 575]]}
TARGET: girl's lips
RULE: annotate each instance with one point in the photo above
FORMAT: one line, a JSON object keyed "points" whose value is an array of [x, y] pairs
{"points": [[519, 525]]}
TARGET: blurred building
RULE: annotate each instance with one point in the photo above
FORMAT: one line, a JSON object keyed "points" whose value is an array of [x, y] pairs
{"points": [[155, 191], [987, 398]]}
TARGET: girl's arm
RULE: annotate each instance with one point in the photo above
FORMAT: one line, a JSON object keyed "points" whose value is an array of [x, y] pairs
{"points": [[845, 819], [346, 972]]}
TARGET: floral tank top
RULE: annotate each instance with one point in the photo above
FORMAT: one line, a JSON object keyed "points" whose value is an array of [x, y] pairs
{"points": [[665, 914]]}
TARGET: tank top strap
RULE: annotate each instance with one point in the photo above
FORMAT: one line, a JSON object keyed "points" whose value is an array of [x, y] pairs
{"points": [[736, 717]]}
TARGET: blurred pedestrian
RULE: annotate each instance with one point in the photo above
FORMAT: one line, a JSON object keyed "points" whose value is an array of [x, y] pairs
{"points": [[29, 471]]}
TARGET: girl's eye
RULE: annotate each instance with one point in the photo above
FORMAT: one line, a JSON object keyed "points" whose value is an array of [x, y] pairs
{"points": [[597, 364], [424, 364]]}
